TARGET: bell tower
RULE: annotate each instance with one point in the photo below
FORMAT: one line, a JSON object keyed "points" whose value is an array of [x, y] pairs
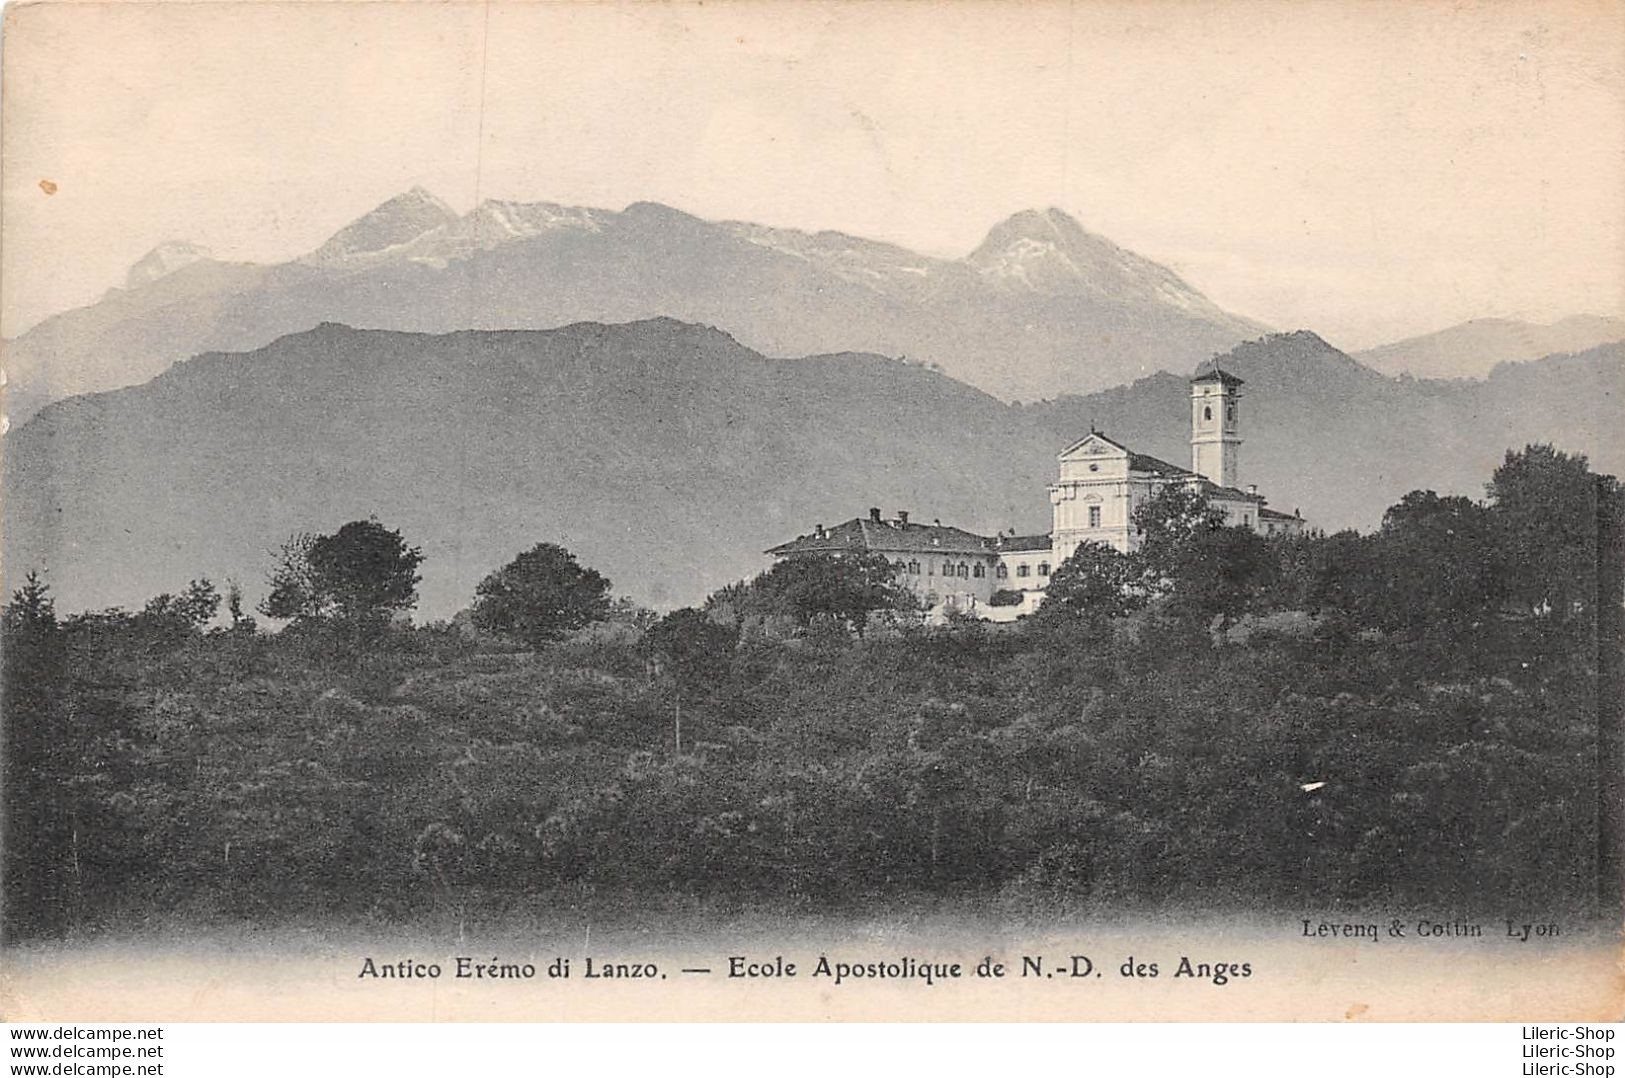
{"points": [[1215, 426]]}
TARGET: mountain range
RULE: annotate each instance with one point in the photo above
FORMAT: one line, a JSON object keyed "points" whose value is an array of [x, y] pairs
{"points": [[1041, 307], [669, 455], [1473, 349]]}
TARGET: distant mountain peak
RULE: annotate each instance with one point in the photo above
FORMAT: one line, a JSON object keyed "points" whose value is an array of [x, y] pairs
{"points": [[1022, 237], [1306, 338], [1049, 253], [1301, 359], [1297, 344], [658, 211], [1051, 224], [394, 222], [163, 260]]}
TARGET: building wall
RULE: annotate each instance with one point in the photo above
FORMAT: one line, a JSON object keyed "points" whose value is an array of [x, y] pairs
{"points": [[1116, 501], [1238, 514], [1025, 570], [937, 574], [1281, 527], [1096, 510]]}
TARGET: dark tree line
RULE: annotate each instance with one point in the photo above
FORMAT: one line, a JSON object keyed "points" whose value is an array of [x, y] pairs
{"points": [[1419, 714]]}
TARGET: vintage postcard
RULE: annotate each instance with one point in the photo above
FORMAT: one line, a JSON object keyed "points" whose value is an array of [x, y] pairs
{"points": [[831, 511]]}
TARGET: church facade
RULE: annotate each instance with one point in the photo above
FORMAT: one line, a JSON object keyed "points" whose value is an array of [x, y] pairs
{"points": [[1100, 484]]}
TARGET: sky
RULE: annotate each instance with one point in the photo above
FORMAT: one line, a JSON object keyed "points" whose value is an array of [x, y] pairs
{"points": [[1366, 170]]}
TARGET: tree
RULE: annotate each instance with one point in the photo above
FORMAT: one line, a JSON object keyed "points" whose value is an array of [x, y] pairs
{"points": [[1438, 563], [1166, 523], [240, 622], [187, 612], [1552, 514], [37, 767], [540, 595], [31, 610], [1096, 582], [361, 574], [694, 649], [1331, 572], [294, 592], [847, 587], [1221, 571]]}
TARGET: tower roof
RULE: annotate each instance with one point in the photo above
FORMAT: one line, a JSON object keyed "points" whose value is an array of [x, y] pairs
{"points": [[1212, 372]]}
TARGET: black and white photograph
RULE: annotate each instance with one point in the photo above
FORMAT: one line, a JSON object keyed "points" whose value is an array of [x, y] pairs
{"points": [[819, 511]]}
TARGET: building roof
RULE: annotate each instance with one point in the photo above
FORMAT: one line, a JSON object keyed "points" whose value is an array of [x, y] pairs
{"points": [[1140, 462], [1212, 372], [1019, 544], [1267, 513], [899, 537], [888, 537], [1229, 494]]}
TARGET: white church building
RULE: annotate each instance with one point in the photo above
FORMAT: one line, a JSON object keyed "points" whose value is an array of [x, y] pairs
{"points": [[1101, 483]]}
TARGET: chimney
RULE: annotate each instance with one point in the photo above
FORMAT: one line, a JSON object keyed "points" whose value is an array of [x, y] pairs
{"points": [[874, 515], [818, 531], [1252, 488], [902, 517]]}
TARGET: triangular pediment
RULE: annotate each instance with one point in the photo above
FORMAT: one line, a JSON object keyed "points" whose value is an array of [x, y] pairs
{"points": [[1095, 446]]}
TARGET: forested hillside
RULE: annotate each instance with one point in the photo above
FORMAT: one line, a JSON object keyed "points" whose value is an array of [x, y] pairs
{"points": [[1424, 715]]}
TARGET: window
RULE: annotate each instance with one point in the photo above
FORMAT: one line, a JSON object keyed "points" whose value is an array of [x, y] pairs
{"points": [[1094, 516], [1230, 411], [1043, 568], [914, 567], [979, 571], [964, 571], [1021, 570], [1003, 572], [1207, 414]]}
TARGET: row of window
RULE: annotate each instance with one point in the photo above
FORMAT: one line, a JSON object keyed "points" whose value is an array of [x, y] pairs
{"points": [[964, 571], [961, 570]]}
